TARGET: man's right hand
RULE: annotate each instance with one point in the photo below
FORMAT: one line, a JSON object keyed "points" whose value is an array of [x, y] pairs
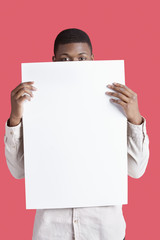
{"points": [[17, 100]]}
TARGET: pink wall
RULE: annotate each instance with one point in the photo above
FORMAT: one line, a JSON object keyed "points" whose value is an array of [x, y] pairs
{"points": [[126, 30]]}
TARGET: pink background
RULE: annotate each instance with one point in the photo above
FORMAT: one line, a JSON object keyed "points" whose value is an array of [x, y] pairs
{"points": [[126, 30]]}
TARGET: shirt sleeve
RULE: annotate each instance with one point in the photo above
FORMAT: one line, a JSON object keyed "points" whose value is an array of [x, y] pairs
{"points": [[137, 148], [14, 153]]}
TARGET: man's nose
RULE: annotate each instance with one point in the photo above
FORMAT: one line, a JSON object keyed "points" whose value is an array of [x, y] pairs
{"points": [[74, 59]]}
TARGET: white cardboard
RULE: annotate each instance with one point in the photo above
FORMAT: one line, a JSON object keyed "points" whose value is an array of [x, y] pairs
{"points": [[75, 139]]}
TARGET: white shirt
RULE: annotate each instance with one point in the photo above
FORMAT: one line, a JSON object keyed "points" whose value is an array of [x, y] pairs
{"points": [[89, 223]]}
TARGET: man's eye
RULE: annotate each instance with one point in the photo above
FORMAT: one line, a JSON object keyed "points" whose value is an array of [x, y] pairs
{"points": [[82, 58], [64, 59]]}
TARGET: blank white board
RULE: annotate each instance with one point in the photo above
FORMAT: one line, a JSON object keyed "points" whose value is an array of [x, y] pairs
{"points": [[75, 139]]}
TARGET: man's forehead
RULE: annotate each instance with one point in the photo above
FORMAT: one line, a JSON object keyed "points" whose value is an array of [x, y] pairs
{"points": [[75, 48]]}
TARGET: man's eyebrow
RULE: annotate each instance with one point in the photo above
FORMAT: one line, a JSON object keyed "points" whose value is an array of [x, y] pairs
{"points": [[78, 54], [82, 53]]}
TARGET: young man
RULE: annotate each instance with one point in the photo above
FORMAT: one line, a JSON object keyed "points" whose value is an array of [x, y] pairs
{"points": [[90, 223]]}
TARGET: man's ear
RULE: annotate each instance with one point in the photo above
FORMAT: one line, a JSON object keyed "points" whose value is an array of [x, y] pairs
{"points": [[92, 56], [53, 58]]}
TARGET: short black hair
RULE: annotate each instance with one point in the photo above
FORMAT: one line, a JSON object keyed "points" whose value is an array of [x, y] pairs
{"points": [[71, 35]]}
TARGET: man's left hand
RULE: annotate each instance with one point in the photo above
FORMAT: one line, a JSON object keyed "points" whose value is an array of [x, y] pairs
{"points": [[127, 99]]}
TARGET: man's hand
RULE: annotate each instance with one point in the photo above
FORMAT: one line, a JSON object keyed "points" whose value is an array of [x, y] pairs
{"points": [[17, 100], [127, 99]]}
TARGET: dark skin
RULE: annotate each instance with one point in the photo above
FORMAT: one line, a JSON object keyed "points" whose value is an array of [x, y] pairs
{"points": [[126, 98]]}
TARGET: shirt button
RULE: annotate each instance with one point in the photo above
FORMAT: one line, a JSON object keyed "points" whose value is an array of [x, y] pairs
{"points": [[11, 133], [75, 221]]}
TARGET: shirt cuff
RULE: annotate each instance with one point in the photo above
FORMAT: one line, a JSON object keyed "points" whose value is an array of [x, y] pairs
{"points": [[134, 130], [16, 131]]}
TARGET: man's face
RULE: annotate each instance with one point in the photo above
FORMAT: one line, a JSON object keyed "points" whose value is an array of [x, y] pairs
{"points": [[73, 52]]}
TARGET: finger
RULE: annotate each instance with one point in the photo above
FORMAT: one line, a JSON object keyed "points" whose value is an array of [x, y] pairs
{"points": [[25, 97], [123, 86], [22, 91], [118, 95], [21, 85], [121, 89], [118, 101]]}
